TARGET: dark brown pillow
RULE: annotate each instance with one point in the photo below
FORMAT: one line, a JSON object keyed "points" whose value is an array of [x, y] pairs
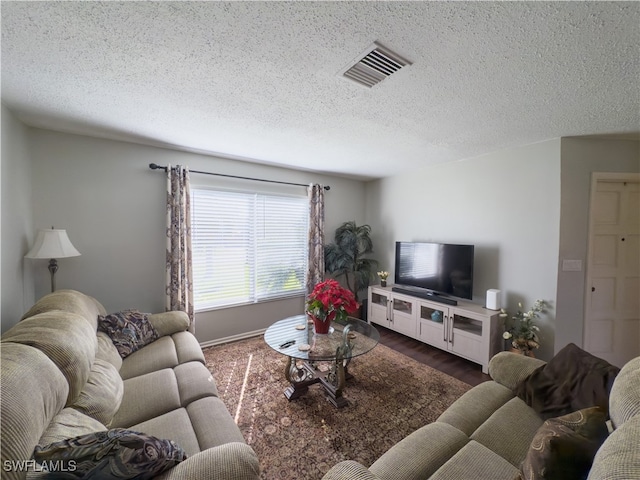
{"points": [[572, 380], [563, 448]]}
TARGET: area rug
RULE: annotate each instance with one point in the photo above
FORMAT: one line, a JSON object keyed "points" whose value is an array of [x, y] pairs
{"points": [[390, 396]]}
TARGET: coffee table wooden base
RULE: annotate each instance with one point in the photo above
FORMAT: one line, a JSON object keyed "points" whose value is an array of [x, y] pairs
{"points": [[306, 374]]}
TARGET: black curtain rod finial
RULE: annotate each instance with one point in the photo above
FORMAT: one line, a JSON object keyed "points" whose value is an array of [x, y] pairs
{"points": [[155, 166]]}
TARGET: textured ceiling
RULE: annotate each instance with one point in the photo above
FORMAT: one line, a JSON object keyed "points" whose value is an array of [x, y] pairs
{"points": [[260, 80]]}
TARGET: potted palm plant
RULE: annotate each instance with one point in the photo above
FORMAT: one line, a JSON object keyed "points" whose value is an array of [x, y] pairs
{"points": [[346, 256]]}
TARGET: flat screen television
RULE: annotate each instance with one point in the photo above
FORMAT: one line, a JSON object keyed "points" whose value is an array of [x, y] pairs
{"points": [[437, 268]]}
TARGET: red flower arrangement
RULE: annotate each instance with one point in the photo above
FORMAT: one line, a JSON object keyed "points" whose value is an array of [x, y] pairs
{"points": [[330, 301]]}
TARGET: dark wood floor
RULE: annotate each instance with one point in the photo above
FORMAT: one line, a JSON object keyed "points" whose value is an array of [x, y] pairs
{"points": [[448, 363]]}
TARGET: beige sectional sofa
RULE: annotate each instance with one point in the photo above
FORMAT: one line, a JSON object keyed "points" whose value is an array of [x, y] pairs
{"points": [[487, 433], [62, 378]]}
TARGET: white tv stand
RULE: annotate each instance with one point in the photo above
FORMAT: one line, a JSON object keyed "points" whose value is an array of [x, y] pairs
{"points": [[466, 329]]}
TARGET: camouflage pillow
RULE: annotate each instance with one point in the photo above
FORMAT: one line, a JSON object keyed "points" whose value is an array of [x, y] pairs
{"points": [[129, 330], [116, 454], [564, 447]]}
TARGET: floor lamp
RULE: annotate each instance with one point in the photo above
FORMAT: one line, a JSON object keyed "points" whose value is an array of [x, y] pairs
{"points": [[52, 244]]}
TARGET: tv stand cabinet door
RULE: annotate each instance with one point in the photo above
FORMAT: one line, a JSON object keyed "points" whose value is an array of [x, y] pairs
{"points": [[404, 315], [432, 325], [379, 306], [471, 337]]}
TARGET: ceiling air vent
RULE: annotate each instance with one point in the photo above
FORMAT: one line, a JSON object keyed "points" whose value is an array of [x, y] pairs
{"points": [[374, 65]]}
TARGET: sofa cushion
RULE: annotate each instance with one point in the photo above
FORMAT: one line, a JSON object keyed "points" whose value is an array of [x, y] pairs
{"points": [[130, 330], [107, 350], [212, 423], [147, 396], [194, 382], [419, 455], [625, 393], [475, 461], [102, 394], [572, 380], [32, 392], [175, 425], [231, 461], [203, 424], [509, 369], [349, 469], [564, 447], [168, 323], [67, 424], [117, 453], [509, 431], [166, 352], [66, 338], [69, 301], [155, 356], [187, 347], [618, 458], [473, 408]]}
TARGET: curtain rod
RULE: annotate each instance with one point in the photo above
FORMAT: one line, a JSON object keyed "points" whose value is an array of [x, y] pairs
{"points": [[154, 166]]}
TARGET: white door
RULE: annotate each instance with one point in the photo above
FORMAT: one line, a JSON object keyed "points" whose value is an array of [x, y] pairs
{"points": [[612, 310]]}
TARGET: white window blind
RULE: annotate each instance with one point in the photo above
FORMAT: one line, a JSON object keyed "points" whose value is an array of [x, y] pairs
{"points": [[247, 247]]}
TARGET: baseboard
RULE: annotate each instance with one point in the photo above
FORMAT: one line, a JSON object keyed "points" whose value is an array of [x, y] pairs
{"points": [[233, 338]]}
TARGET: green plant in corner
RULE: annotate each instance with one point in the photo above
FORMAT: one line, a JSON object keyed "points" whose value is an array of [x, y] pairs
{"points": [[346, 256]]}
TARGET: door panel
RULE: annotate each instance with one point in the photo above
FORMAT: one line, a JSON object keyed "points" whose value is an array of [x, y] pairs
{"points": [[632, 253], [631, 294], [632, 217], [630, 333], [605, 251], [603, 333], [603, 298], [607, 208]]}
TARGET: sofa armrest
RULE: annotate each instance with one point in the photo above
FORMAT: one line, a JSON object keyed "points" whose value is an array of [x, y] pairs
{"points": [[349, 470], [509, 369], [230, 461], [168, 323]]}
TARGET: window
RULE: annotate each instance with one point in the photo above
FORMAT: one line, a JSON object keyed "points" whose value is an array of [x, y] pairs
{"points": [[247, 247]]}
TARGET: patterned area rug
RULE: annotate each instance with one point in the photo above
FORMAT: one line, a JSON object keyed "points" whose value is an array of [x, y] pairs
{"points": [[390, 396]]}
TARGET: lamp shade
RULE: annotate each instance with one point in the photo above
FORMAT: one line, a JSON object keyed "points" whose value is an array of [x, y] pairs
{"points": [[52, 244]]}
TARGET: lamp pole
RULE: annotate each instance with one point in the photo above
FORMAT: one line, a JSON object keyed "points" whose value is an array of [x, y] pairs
{"points": [[53, 268]]}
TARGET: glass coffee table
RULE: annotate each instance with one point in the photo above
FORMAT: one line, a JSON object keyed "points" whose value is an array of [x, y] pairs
{"points": [[295, 338]]}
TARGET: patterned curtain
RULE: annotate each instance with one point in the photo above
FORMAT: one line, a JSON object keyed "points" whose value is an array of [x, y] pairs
{"points": [[179, 272], [315, 274]]}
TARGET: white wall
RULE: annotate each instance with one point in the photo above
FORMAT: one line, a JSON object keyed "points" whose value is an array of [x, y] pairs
{"points": [[506, 203], [113, 208], [580, 158], [17, 225]]}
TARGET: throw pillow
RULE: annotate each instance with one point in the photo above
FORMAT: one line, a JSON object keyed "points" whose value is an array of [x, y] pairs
{"points": [[129, 330], [572, 380], [563, 448], [118, 453]]}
